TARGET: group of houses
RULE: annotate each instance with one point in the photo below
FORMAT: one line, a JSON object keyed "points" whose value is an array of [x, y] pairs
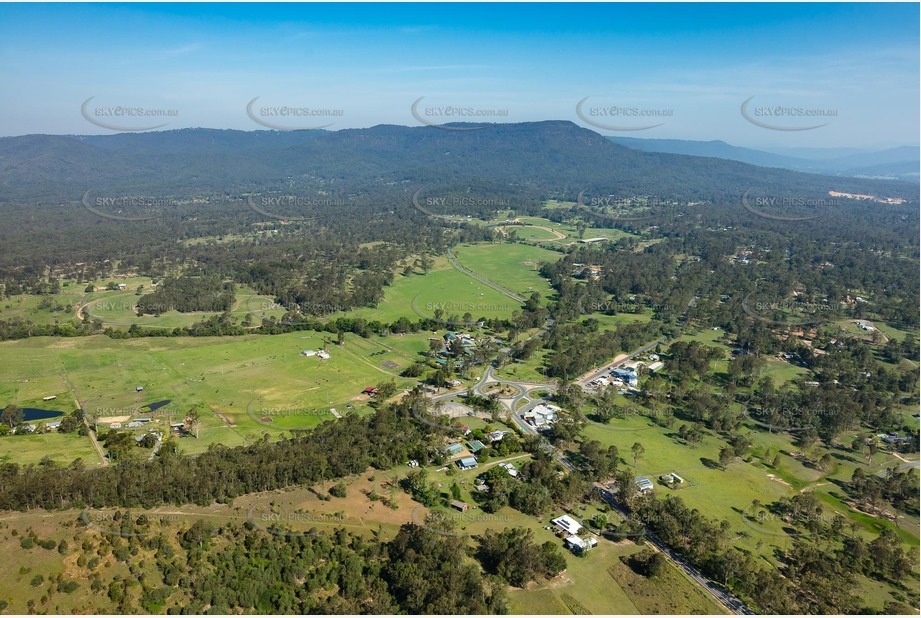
{"points": [[467, 341]]}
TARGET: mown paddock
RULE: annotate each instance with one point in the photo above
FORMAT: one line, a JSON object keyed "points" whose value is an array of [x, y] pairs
{"points": [[245, 379], [514, 266], [418, 296]]}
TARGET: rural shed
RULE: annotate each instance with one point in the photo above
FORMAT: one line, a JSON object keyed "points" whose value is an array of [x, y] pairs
{"points": [[475, 446], [460, 506], [466, 463], [453, 449]]}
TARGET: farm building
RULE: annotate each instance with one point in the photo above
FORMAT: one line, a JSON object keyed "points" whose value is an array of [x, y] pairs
{"points": [[53, 425], [139, 389], [466, 463], [460, 506], [309, 352], [475, 446], [49, 398], [671, 477], [567, 524], [453, 449], [370, 391], [322, 355]]}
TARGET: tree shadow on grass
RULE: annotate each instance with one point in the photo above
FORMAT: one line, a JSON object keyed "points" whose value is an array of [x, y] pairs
{"points": [[709, 463]]}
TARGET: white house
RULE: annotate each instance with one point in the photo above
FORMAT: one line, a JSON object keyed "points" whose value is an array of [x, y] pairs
{"points": [[542, 416], [579, 545], [567, 524]]}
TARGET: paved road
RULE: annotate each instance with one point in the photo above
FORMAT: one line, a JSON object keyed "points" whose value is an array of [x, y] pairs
{"points": [[722, 596]]}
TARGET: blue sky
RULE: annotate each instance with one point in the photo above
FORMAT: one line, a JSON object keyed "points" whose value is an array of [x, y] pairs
{"points": [[690, 66]]}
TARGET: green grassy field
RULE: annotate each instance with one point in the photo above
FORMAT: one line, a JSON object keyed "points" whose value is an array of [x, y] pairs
{"points": [[444, 288], [60, 448], [513, 266], [246, 385]]}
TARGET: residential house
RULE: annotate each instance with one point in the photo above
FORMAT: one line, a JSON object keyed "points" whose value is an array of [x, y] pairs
{"points": [[643, 484], [567, 524], [578, 545]]}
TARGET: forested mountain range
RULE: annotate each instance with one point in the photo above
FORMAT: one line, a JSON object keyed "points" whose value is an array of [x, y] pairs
{"points": [[554, 156]]}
